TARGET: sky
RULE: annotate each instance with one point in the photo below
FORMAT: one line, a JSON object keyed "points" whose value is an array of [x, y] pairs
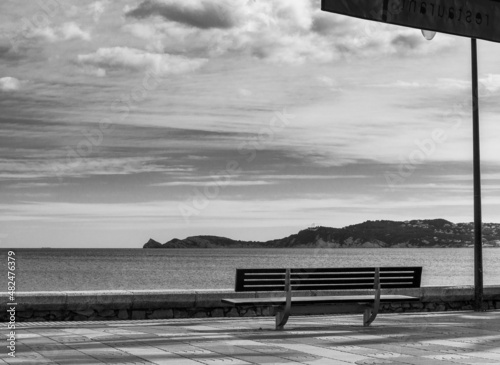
{"points": [[128, 120]]}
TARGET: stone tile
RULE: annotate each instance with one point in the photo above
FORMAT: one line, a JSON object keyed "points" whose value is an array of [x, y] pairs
{"points": [[323, 352], [416, 338], [464, 347], [495, 357], [325, 361], [223, 361], [250, 352], [25, 357], [401, 351], [461, 359], [425, 361]]}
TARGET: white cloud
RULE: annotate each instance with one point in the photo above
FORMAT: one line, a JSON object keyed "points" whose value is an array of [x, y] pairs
{"points": [[468, 177], [9, 84], [93, 71], [491, 82], [96, 9], [217, 183], [67, 31], [71, 11], [30, 185], [116, 58], [276, 31], [330, 83], [46, 33], [71, 30], [313, 177], [244, 92], [201, 14], [405, 84], [281, 31], [454, 84], [441, 83], [74, 166], [218, 210]]}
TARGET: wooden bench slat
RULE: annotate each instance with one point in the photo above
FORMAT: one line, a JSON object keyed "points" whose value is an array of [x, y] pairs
{"points": [[333, 287], [260, 277], [260, 288], [264, 270], [313, 287], [354, 269], [345, 275], [318, 280], [257, 283], [346, 280], [405, 268], [328, 276], [333, 269]]}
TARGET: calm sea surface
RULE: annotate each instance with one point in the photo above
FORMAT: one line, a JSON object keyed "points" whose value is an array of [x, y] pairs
{"points": [[138, 269]]}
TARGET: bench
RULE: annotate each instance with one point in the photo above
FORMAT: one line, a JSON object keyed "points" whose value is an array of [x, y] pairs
{"points": [[323, 279]]}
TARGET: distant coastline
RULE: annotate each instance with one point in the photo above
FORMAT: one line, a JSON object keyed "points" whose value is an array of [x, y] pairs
{"points": [[430, 233]]}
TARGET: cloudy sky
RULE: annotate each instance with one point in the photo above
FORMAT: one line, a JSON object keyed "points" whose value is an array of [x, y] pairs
{"points": [[250, 119]]}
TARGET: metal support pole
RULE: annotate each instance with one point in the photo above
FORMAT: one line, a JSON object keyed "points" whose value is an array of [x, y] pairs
{"points": [[478, 244], [385, 10]]}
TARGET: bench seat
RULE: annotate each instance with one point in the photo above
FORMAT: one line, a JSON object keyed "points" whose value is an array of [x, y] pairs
{"points": [[321, 300]]}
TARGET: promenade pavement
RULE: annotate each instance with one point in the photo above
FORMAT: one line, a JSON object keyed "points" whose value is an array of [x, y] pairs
{"points": [[416, 338]]}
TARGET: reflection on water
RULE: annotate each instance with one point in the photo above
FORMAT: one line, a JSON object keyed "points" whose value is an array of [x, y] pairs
{"points": [[136, 269]]}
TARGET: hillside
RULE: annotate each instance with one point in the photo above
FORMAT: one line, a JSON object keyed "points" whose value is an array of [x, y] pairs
{"points": [[415, 233]]}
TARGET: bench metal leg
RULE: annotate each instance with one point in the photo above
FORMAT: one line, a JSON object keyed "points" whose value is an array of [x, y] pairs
{"points": [[369, 316], [282, 314], [281, 319], [371, 312]]}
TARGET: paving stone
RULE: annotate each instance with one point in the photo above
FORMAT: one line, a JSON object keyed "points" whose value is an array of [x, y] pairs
{"points": [[439, 338]]}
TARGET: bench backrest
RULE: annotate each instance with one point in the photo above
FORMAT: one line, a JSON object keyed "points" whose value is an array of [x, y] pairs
{"points": [[327, 279]]}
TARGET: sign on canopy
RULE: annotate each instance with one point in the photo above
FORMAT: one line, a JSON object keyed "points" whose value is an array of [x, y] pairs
{"points": [[474, 19]]}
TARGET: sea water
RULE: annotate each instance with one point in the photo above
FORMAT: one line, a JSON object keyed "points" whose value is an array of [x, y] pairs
{"points": [[144, 269]]}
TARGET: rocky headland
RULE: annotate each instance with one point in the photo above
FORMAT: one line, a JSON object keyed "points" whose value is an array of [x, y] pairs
{"points": [[415, 233]]}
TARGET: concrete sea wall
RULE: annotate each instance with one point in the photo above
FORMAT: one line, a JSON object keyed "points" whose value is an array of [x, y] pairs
{"points": [[160, 304]]}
